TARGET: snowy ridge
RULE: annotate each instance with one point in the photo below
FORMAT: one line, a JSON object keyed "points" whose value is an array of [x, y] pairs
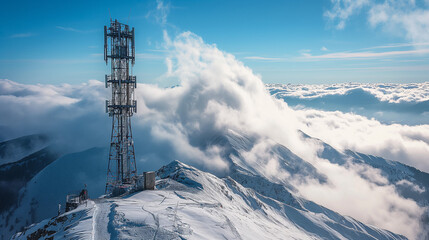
{"points": [[191, 204]]}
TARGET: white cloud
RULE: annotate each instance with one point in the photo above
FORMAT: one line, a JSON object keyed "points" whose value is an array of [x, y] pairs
{"points": [[22, 35], [406, 144], [324, 49], [217, 93], [409, 19], [374, 204], [343, 9], [46, 97], [264, 160], [67, 111], [404, 16], [161, 12], [411, 186]]}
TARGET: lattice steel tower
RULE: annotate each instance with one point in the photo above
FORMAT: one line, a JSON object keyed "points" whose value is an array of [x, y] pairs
{"points": [[119, 48]]}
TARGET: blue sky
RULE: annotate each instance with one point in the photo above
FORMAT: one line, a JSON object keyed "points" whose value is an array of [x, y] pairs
{"points": [[318, 41]]}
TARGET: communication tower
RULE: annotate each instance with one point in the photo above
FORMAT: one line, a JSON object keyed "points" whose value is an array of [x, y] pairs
{"points": [[119, 49]]}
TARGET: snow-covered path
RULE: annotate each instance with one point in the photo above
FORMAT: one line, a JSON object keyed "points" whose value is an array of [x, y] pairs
{"points": [[100, 219]]}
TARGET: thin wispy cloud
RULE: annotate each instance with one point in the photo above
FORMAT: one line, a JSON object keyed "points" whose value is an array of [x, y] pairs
{"points": [[161, 12], [22, 35], [306, 55], [305, 52], [259, 58], [398, 45], [360, 55], [415, 68], [343, 9], [70, 29]]}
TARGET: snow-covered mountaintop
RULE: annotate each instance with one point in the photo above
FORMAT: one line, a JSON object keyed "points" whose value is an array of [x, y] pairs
{"points": [[192, 204]]}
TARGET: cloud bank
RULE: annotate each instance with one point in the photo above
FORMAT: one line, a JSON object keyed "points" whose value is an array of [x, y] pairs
{"points": [[387, 92], [217, 94], [402, 143], [71, 113]]}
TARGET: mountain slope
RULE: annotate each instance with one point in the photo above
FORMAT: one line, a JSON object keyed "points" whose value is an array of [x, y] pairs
{"points": [[20, 160], [40, 197], [14, 175], [191, 204]]}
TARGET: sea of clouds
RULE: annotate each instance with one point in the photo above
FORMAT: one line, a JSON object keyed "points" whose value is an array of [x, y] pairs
{"points": [[405, 103], [386, 92], [217, 93]]}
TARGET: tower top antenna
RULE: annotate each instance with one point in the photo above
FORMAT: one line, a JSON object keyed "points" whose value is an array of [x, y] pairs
{"points": [[129, 14]]}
